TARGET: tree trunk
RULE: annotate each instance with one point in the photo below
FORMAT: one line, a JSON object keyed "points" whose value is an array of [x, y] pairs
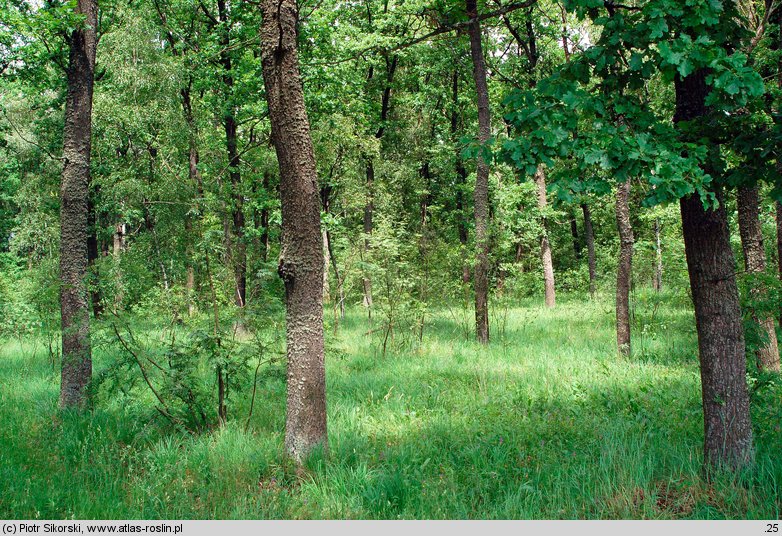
{"points": [[658, 253], [74, 192], [369, 208], [481, 193], [748, 201], [711, 266], [574, 236], [545, 247], [779, 248], [624, 269], [326, 263], [236, 247], [301, 258], [589, 236]]}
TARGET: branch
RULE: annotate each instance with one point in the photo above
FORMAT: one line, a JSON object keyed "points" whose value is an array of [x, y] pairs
{"points": [[31, 142]]}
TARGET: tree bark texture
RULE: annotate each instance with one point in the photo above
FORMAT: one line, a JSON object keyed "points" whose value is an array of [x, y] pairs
{"points": [[624, 269], [301, 258], [545, 246], [481, 192], [727, 428], [74, 192], [748, 202]]}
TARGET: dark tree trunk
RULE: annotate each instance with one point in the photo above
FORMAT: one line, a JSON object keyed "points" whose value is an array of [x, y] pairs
{"points": [[461, 174], [481, 193], [574, 235], [658, 254], [711, 266], [748, 201], [624, 269], [589, 236], [301, 258], [74, 193], [545, 246]]}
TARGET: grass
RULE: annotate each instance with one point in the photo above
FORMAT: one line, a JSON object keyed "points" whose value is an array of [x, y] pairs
{"points": [[547, 422]]}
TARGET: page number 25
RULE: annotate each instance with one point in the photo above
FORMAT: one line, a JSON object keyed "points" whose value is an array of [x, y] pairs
{"points": [[772, 527]]}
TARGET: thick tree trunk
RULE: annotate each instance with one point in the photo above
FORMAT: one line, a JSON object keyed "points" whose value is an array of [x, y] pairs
{"points": [[711, 266], [748, 201], [545, 246], [481, 193], [301, 258], [74, 192], [658, 257], [589, 236], [624, 269]]}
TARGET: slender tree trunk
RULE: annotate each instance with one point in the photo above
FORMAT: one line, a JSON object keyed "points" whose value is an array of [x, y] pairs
{"points": [[589, 236], [369, 208], [481, 193], [711, 266], [545, 246], [748, 201], [326, 263], [237, 249], [195, 181], [779, 248], [74, 193], [658, 254], [624, 270], [574, 235], [301, 258]]}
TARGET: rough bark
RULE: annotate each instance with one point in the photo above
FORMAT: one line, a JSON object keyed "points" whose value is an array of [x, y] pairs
{"points": [[589, 236], [74, 192], [748, 201], [545, 246], [658, 254], [195, 180], [624, 269], [481, 192], [727, 427], [301, 258]]}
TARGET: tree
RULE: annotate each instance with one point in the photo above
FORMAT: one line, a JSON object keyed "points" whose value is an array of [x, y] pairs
{"points": [[624, 269], [589, 235], [301, 258], [481, 193], [74, 196], [711, 266], [748, 202]]}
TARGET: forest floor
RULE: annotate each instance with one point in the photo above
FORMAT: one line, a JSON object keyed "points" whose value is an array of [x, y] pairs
{"points": [[547, 422]]}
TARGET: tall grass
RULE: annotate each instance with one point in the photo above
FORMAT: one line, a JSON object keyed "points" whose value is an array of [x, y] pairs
{"points": [[546, 422]]}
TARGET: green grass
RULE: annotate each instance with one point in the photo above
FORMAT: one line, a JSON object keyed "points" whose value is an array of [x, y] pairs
{"points": [[547, 422]]}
